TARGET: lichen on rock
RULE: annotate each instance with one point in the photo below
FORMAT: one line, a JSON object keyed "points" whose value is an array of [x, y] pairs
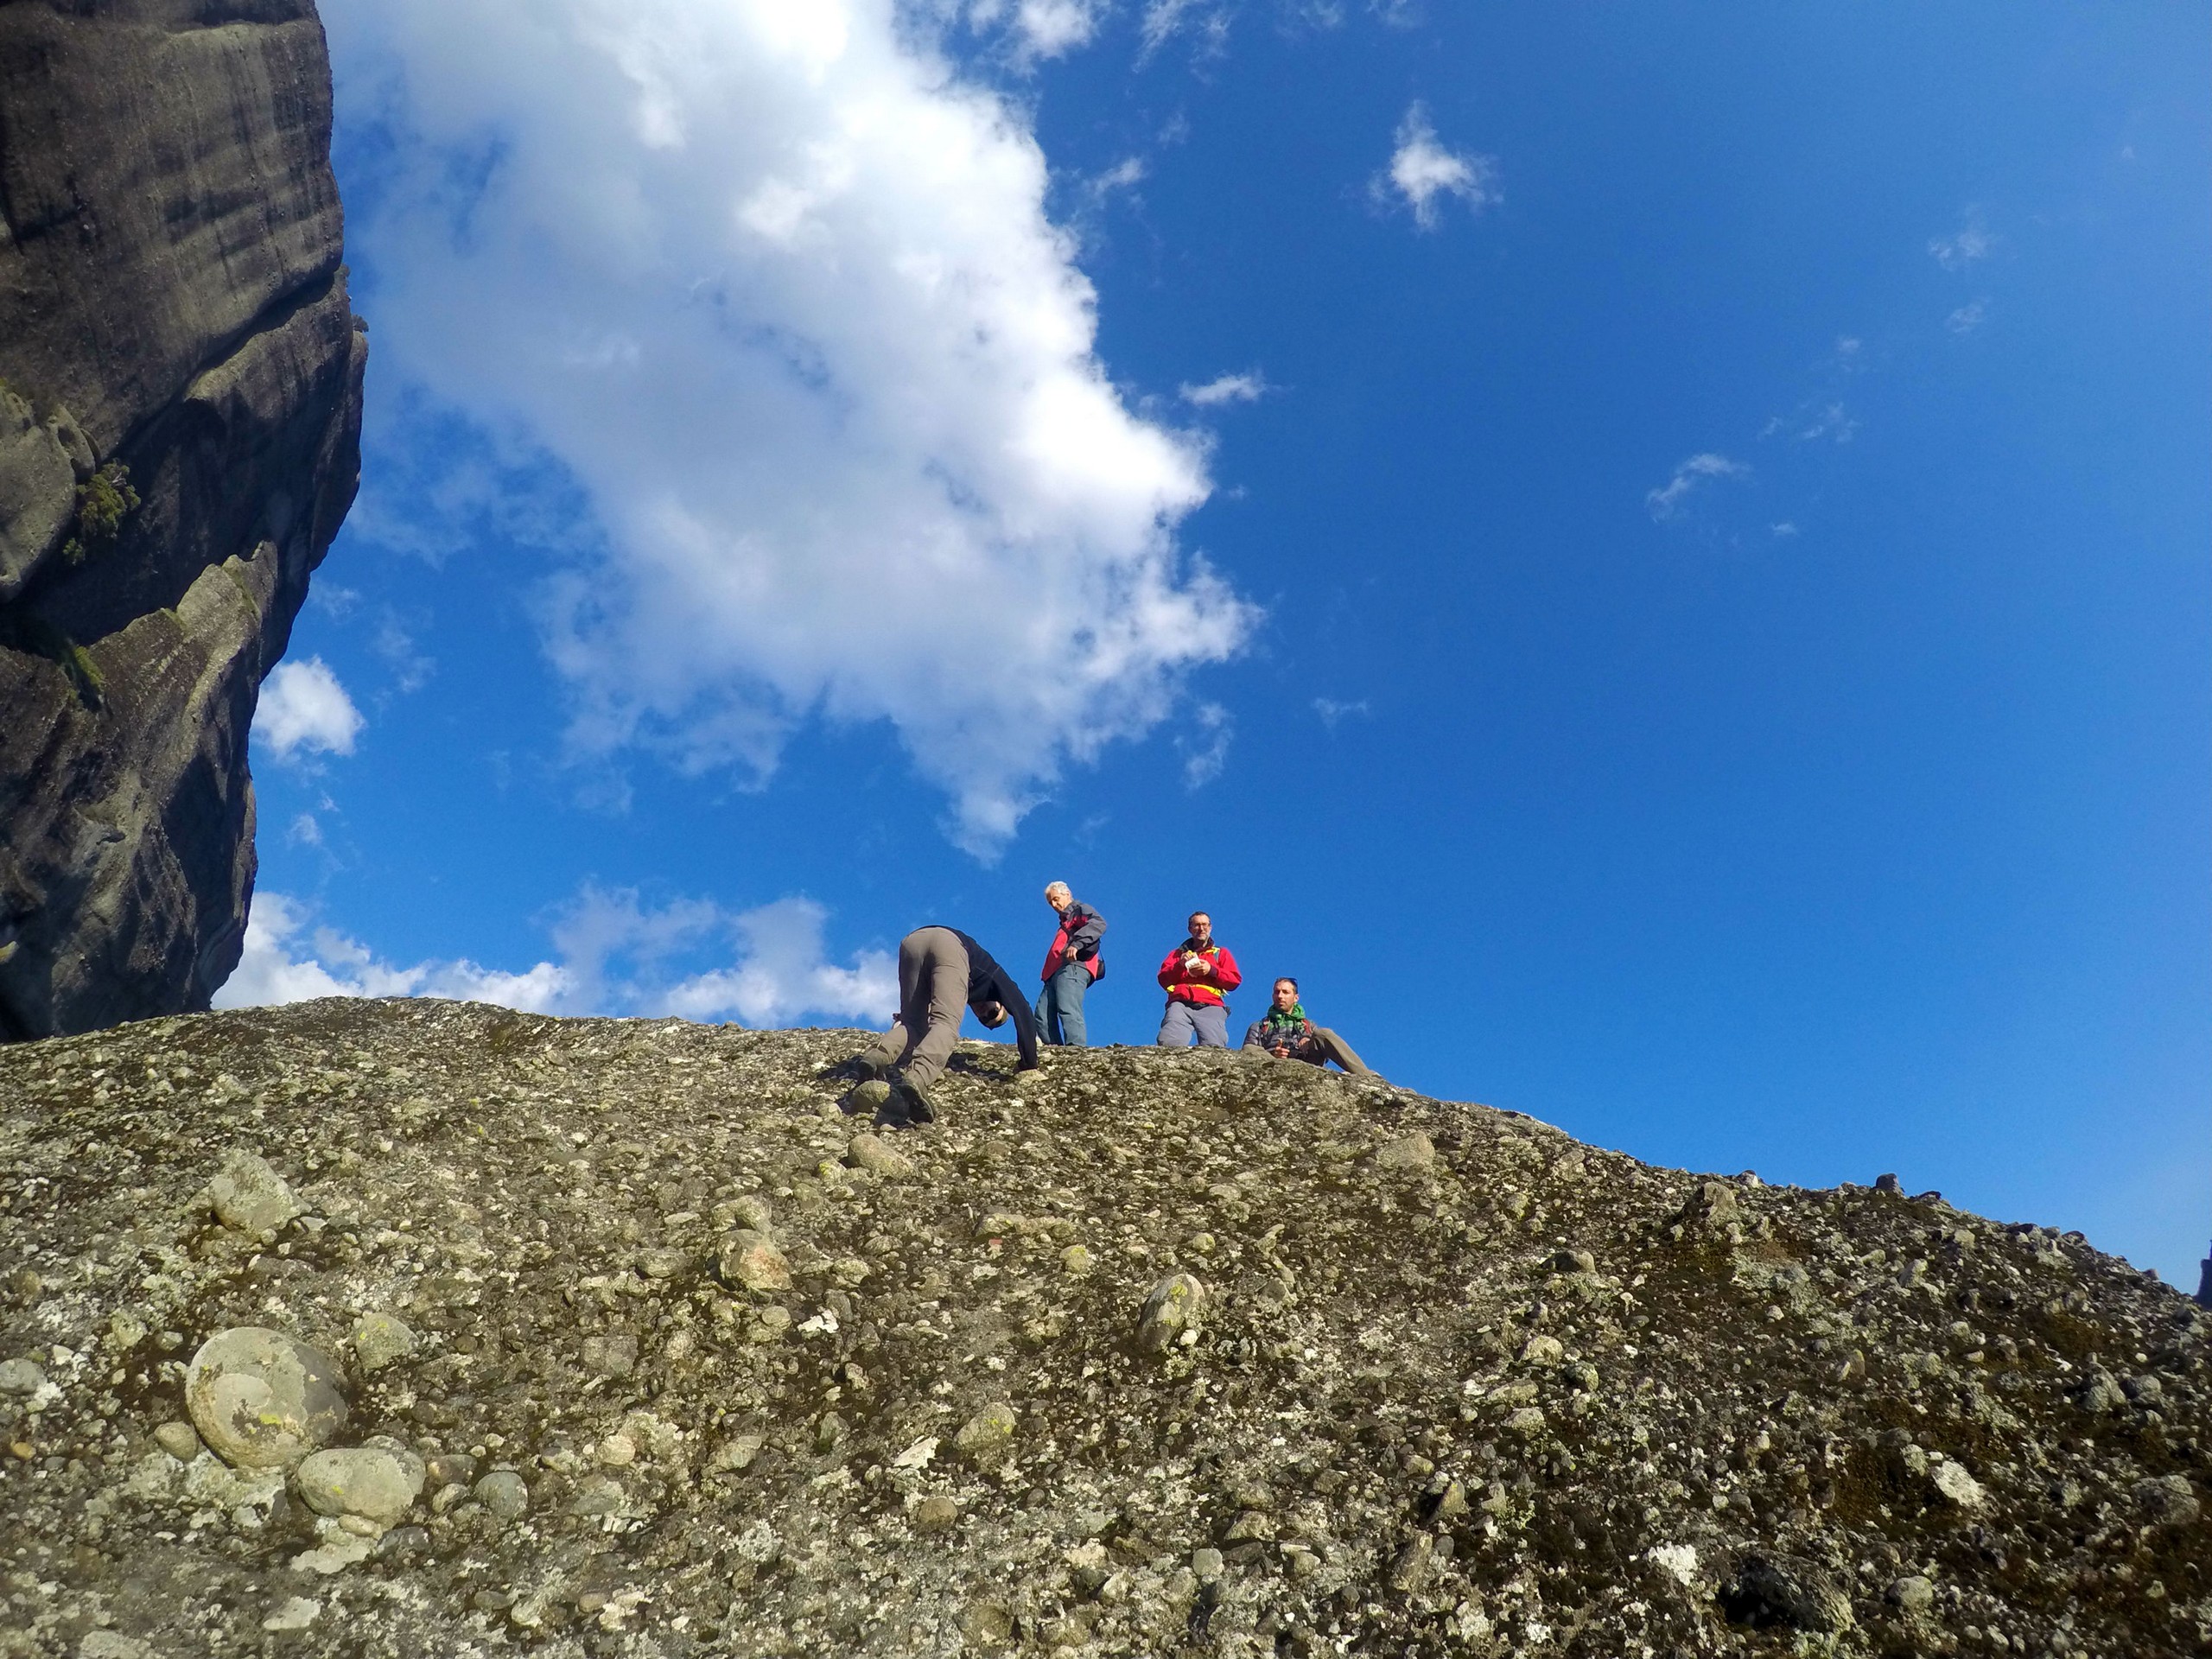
{"points": [[1523, 1396]]}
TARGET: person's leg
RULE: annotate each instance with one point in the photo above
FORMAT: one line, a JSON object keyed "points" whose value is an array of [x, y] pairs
{"points": [[1048, 1015], [1334, 1047], [946, 975], [913, 1007], [1176, 1030], [1211, 1022], [1068, 987], [885, 1050]]}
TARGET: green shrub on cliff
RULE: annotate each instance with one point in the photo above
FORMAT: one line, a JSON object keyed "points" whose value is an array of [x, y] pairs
{"points": [[104, 501]]}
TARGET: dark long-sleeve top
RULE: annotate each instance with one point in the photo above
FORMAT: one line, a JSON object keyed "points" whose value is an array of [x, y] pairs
{"points": [[988, 982]]}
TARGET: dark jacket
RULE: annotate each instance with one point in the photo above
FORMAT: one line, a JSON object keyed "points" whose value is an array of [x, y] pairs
{"points": [[1291, 1039], [988, 982], [1076, 940]]}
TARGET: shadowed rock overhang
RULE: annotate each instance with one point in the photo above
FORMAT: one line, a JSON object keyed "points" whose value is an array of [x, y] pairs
{"points": [[180, 416]]}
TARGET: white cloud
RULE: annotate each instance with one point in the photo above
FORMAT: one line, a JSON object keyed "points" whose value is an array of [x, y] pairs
{"points": [[1783, 530], [1667, 500], [1125, 175], [410, 668], [304, 709], [1970, 242], [614, 955], [1332, 711], [1968, 317], [1040, 28], [784, 975], [273, 968], [775, 287], [1227, 389], [1164, 19], [1830, 421], [1423, 172], [1204, 746]]}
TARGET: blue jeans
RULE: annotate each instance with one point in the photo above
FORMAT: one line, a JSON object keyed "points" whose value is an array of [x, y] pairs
{"points": [[1188, 1023], [1059, 1006]]}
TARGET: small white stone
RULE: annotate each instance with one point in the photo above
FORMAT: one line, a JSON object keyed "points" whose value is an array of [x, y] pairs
{"points": [[379, 1339], [296, 1614], [1958, 1486], [251, 1198], [1678, 1561], [333, 1557]]}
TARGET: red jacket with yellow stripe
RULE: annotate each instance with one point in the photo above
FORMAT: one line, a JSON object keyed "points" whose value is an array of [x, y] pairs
{"points": [[1201, 986]]}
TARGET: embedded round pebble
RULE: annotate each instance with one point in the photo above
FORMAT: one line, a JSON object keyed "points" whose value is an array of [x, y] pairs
{"points": [[262, 1400], [378, 1482]]}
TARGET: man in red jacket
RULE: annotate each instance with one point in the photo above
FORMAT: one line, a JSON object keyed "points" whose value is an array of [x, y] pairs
{"points": [[1197, 976], [1071, 967]]}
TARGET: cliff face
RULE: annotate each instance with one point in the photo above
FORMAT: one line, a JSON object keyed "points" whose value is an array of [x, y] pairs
{"points": [[407, 1328], [179, 413]]}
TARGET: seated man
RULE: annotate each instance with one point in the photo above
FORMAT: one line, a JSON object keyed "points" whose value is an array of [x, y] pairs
{"points": [[942, 974], [1287, 1034]]}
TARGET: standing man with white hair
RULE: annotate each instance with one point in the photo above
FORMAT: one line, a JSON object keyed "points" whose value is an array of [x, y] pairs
{"points": [[1070, 967]]}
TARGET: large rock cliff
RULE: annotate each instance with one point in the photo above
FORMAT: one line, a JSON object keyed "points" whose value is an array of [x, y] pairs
{"points": [[180, 415], [409, 1328]]}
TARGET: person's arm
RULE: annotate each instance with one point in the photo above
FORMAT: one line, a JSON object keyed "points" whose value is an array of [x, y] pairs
{"points": [[1083, 940], [1170, 969], [1253, 1035], [1025, 1023], [1225, 974]]}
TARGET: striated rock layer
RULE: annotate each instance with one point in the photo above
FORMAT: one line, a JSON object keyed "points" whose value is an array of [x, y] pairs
{"points": [[600, 1337], [180, 415]]}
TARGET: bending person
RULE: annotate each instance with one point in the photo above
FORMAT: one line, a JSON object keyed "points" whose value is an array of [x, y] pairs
{"points": [[1287, 1034], [942, 974]]}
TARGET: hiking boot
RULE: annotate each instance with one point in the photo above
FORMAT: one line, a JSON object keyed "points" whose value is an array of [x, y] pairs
{"points": [[858, 1068], [916, 1101]]}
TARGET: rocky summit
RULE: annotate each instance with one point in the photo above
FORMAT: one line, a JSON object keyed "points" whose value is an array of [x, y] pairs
{"points": [[408, 1328]]}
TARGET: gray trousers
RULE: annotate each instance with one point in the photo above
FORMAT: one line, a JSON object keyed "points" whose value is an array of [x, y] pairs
{"points": [[933, 998], [1188, 1024], [1333, 1047]]}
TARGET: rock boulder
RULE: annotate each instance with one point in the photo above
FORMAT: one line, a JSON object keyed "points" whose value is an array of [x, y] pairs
{"points": [[180, 414]]}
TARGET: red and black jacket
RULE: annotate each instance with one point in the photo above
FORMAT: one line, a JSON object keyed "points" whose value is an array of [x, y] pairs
{"points": [[1076, 940], [1204, 987]]}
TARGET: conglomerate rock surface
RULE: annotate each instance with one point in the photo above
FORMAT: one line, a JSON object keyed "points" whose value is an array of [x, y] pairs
{"points": [[179, 417], [595, 1337]]}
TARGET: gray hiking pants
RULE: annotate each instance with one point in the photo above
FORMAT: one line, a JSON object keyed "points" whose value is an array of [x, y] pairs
{"points": [[933, 998], [1333, 1047], [1188, 1024]]}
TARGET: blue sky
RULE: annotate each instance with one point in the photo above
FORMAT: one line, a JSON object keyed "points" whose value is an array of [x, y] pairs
{"points": [[1654, 556]]}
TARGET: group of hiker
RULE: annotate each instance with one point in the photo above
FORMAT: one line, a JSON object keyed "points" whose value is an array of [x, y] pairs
{"points": [[943, 974]]}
